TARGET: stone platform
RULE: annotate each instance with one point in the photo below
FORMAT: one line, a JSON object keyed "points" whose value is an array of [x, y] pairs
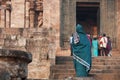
{"points": [[13, 64]]}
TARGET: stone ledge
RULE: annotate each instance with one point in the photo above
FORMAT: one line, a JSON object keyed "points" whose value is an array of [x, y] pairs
{"points": [[69, 78], [16, 54]]}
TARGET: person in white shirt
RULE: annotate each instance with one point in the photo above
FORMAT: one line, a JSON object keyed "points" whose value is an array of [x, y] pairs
{"points": [[103, 45]]}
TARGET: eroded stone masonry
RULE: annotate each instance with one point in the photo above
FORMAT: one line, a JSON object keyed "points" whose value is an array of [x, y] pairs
{"points": [[28, 26], [43, 28]]}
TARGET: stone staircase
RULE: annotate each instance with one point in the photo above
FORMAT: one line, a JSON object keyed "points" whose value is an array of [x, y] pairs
{"points": [[103, 68]]}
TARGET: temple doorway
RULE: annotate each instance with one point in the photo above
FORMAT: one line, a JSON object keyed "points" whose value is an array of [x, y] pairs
{"points": [[88, 15]]}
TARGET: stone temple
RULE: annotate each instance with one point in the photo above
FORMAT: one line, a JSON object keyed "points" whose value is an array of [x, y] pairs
{"points": [[43, 28]]}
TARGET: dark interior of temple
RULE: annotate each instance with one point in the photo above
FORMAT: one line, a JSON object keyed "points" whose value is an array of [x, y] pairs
{"points": [[88, 15]]}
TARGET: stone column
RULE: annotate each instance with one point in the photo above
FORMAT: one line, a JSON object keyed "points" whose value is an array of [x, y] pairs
{"points": [[27, 14], [111, 27], [17, 13], [103, 14], [46, 13], [68, 21], [32, 18], [7, 19], [72, 17], [13, 64], [64, 30], [2, 18], [118, 23]]}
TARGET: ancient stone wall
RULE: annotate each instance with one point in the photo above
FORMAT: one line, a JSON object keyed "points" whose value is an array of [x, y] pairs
{"points": [[107, 20], [38, 26], [32, 28], [118, 22], [23, 33], [38, 43], [13, 64]]}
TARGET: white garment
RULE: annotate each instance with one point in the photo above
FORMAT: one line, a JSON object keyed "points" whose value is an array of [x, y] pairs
{"points": [[110, 54], [103, 42], [71, 39]]}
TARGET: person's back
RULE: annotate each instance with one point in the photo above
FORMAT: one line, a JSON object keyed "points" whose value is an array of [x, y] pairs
{"points": [[81, 53], [103, 42], [103, 45], [94, 47]]}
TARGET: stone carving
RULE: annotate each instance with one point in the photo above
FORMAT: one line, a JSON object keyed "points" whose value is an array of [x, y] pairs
{"points": [[37, 9], [40, 19], [4, 75], [13, 64], [39, 5], [44, 49]]}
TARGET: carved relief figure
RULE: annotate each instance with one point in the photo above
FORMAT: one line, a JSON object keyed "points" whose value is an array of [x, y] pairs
{"points": [[40, 19]]}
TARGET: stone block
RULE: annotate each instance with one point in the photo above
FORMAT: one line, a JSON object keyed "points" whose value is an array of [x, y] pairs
{"points": [[1, 42], [6, 43], [21, 41], [39, 70], [13, 64], [11, 31]]}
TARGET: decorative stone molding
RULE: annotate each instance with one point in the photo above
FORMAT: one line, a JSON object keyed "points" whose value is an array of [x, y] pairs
{"points": [[13, 64], [8, 5]]}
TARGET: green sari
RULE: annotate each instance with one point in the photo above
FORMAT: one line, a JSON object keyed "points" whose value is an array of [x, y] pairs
{"points": [[81, 53]]}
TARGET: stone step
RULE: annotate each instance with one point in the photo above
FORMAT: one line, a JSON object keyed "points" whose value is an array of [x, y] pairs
{"points": [[82, 78], [102, 76], [96, 71], [62, 67], [69, 78], [63, 76], [97, 67], [107, 76], [105, 66], [64, 58], [110, 62], [93, 71], [115, 53], [100, 65], [64, 71], [69, 60], [69, 67], [106, 63]]}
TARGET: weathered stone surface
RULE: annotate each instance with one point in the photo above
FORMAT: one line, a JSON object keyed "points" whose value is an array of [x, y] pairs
{"points": [[106, 68], [13, 64], [42, 26]]}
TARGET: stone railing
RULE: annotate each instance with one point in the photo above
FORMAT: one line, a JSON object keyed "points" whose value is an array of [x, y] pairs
{"points": [[13, 64]]}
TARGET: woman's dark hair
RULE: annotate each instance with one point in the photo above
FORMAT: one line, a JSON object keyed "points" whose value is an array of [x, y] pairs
{"points": [[104, 34]]}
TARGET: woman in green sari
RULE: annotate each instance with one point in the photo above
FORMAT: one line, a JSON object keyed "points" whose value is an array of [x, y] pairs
{"points": [[81, 52]]}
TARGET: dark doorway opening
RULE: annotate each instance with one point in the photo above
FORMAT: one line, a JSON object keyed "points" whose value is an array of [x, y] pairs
{"points": [[88, 15]]}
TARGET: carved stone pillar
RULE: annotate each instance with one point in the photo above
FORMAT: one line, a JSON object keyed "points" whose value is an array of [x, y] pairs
{"points": [[118, 23], [7, 19], [32, 18], [27, 14], [46, 13], [68, 21], [2, 18], [32, 13]]}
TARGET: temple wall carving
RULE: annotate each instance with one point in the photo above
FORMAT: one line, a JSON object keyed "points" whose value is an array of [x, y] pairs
{"points": [[43, 27]]}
